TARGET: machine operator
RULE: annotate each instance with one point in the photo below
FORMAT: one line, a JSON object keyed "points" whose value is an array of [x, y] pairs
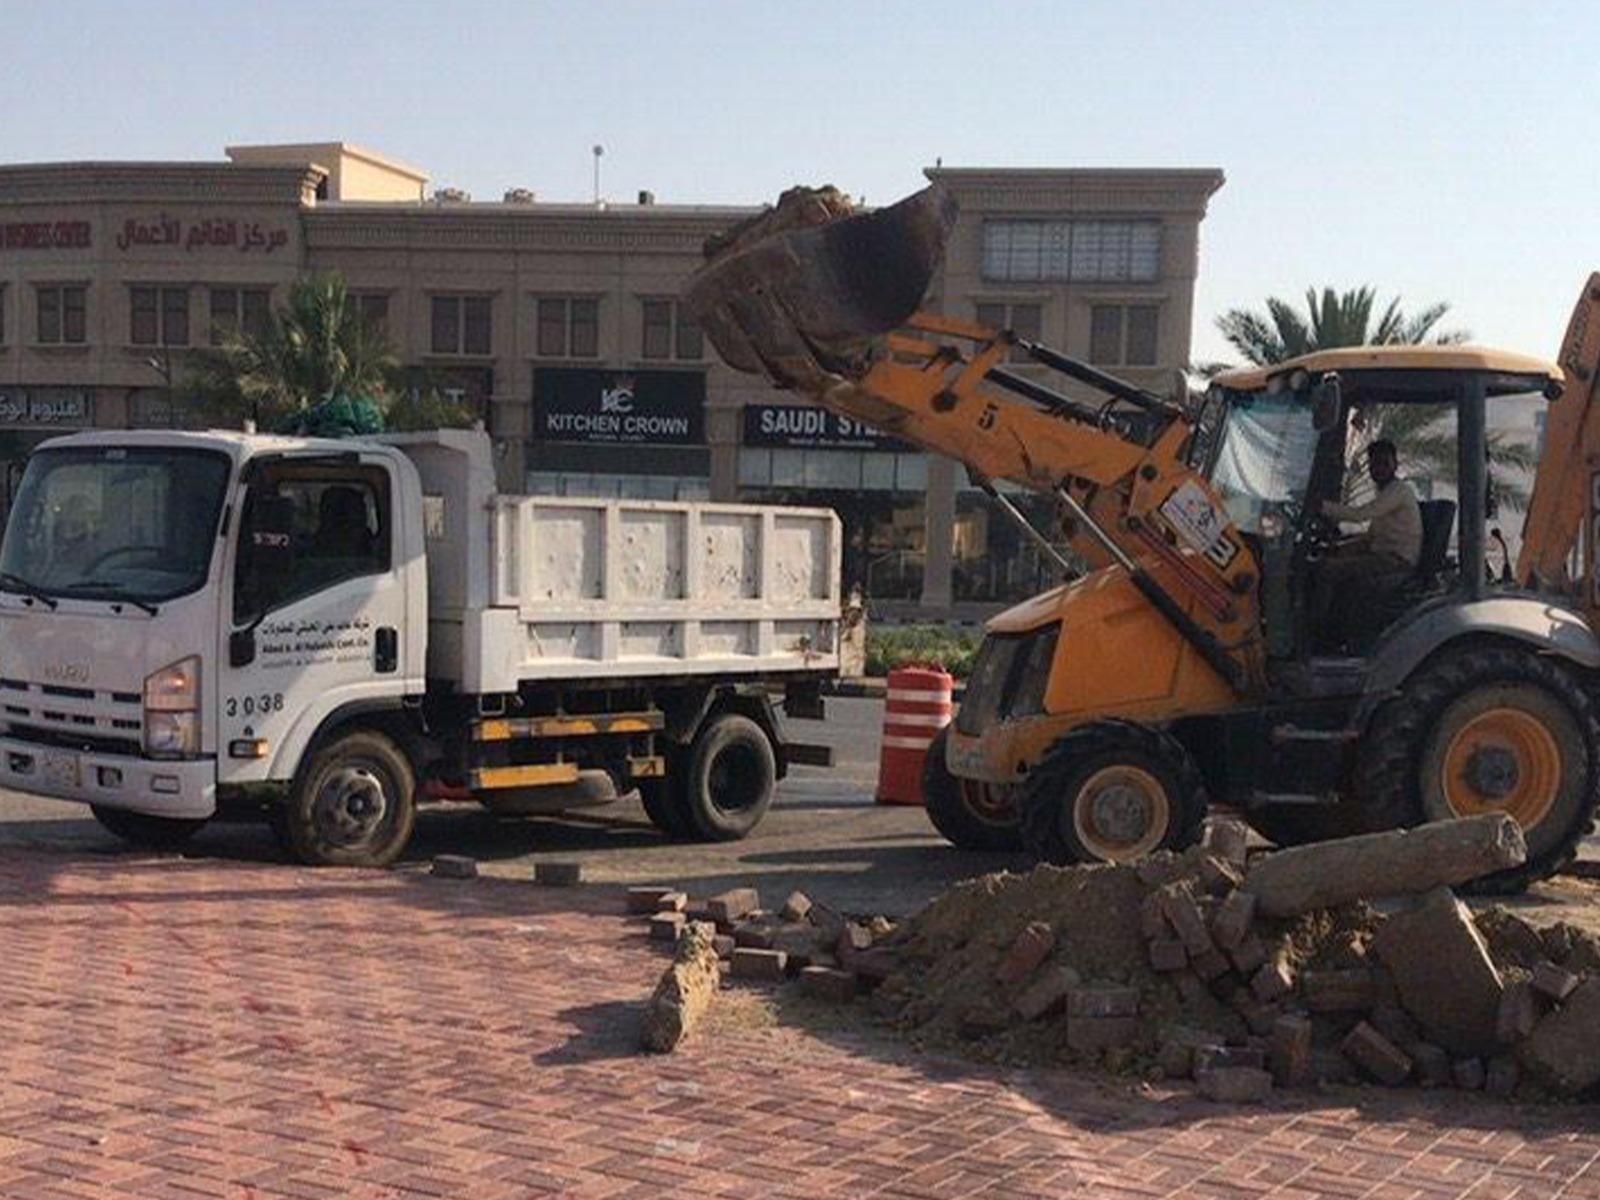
{"points": [[1379, 561]]}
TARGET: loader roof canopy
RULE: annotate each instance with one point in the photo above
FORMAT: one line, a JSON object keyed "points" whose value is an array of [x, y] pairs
{"points": [[1419, 374]]}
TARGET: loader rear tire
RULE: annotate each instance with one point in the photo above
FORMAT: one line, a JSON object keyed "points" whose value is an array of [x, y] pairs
{"points": [[1489, 729], [970, 815], [1111, 791]]}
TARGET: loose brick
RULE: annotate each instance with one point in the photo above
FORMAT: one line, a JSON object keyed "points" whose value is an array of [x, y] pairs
{"points": [[1340, 990], [852, 940], [825, 983], [796, 908], [1519, 1012], [1152, 918], [1469, 1074], [801, 943], [1030, 948], [644, 900], [1178, 1046], [558, 874], [1101, 1001], [1431, 1064], [762, 966], [1261, 1017], [1218, 876], [1214, 1056], [1234, 919], [873, 966], [1191, 988], [1183, 914], [1234, 1085], [1389, 1019], [1289, 1051], [1047, 991], [1553, 982], [1228, 839], [1088, 1035], [673, 902], [1158, 869], [829, 920], [1502, 1077], [665, 927], [753, 934], [733, 904], [1210, 966], [723, 943], [1376, 1055], [1168, 954], [454, 866], [1273, 981]]}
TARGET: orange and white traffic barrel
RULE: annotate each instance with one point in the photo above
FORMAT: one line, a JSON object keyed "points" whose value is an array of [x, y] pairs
{"points": [[918, 707]]}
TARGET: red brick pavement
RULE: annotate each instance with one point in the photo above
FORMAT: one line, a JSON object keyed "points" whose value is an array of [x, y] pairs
{"points": [[176, 1030]]}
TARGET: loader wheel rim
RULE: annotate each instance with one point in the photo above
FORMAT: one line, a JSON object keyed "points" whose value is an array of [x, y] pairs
{"points": [[1503, 760], [1121, 813], [989, 804]]}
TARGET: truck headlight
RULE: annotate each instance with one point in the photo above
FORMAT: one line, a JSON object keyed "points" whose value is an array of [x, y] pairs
{"points": [[172, 709]]}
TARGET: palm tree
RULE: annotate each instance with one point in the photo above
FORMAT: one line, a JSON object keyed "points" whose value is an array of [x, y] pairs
{"points": [[1421, 433]]}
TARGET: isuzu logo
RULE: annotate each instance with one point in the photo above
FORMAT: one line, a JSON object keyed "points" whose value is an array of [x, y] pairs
{"points": [[67, 672]]}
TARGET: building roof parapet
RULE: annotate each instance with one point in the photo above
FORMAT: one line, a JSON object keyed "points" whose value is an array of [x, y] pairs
{"points": [[1081, 189], [669, 228], [156, 183]]}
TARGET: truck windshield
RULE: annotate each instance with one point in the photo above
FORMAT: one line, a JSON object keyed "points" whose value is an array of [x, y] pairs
{"points": [[1264, 458], [114, 522]]}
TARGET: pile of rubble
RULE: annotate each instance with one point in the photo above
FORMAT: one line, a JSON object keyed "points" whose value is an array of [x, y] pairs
{"points": [[1244, 975]]}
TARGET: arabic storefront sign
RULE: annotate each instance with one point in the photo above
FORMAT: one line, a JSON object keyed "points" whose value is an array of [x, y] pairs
{"points": [[208, 232], [801, 426], [664, 408], [46, 235], [46, 406]]}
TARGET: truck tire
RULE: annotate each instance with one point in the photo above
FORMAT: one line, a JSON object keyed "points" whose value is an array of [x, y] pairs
{"points": [[729, 778], [963, 811], [1489, 729], [1111, 791], [664, 802], [144, 829], [353, 804]]}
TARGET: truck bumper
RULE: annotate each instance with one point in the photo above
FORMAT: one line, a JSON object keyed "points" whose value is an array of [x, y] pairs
{"points": [[160, 788]]}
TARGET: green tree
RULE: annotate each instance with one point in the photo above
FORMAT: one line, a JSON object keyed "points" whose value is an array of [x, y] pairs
{"points": [[1423, 434]]}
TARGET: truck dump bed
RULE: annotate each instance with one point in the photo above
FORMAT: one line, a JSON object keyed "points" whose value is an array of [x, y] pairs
{"points": [[528, 588]]}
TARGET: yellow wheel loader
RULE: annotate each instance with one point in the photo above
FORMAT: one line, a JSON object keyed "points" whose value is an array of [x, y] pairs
{"points": [[1184, 668]]}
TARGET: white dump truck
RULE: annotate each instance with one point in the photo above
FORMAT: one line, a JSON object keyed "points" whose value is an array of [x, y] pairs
{"points": [[324, 632]]}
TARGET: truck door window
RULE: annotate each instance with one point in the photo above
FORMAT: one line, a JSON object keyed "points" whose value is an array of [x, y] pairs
{"points": [[306, 528]]}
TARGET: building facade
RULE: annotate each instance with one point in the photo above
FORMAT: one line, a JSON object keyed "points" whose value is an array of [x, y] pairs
{"points": [[560, 325]]}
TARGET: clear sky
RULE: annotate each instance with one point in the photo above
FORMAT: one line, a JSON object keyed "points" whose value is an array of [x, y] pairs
{"points": [[1436, 150]]}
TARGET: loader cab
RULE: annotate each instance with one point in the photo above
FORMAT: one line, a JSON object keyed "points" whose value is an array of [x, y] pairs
{"points": [[1280, 441]]}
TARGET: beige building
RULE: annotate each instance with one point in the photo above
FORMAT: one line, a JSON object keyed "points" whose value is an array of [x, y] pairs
{"points": [[560, 325]]}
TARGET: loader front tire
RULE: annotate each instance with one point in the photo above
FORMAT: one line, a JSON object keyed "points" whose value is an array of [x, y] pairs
{"points": [[1111, 791], [969, 815]]}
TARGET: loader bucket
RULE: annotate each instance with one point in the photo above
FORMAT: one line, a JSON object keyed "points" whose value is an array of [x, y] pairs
{"points": [[803, 289]]}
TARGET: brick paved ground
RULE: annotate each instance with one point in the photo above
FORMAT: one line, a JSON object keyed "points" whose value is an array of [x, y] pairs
{"points": [[182, 1029]]}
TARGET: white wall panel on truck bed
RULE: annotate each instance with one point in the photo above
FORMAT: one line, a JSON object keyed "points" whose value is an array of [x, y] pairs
{"points": [[532, 588]]}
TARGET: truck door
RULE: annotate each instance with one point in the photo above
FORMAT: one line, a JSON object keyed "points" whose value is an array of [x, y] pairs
{"points": [[317, 608]]}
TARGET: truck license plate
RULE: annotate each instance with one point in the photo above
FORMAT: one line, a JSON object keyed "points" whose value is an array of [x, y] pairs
{"points": [[59, 769]]}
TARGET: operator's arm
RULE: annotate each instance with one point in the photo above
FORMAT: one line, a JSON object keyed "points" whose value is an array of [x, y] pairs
{"points": [[1386, 502]]}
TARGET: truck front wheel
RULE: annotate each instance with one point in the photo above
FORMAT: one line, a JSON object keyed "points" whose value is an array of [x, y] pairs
{"points": [[353, 804], [730, 778], [144, 829]]}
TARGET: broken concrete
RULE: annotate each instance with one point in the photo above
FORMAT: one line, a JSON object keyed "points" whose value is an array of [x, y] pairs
{"points": [[684, 993], [1442, 969], [1563, 1052]]}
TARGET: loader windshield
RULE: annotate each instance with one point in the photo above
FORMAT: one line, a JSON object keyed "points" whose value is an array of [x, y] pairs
{"points": [[115, 523], [1264, 455]]}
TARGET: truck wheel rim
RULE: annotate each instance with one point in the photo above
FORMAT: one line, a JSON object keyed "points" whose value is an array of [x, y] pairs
{"points": [[735, 779], [1503, 760], [350, 806], [1121, 813]]}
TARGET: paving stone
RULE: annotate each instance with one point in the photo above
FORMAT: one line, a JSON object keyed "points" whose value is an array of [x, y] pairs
{"points": [[1234, 1085], [801, 943], [796, 908], [454, 866], [1431, 1064], [1376, 1055], [1519, 1012], [1153, 918], [1350, 989], [644, 900], [1031, 947], [1177, 1047], [724, 945], [825, 983], [1183, 913], [673, 902], [1555, 983], [1502, 1076], [1389, 1019], [1234, 919], [1210, 965], [1227, 838], [1469, 1074], [665, 927], [733, 904], [558, 874], [1273, 981], [1289, 1051], [754, 934], [1563, 1052], [829, 920], [1213, 1056], [1046, 992], [1248, 956], [762, 966], [1099, 1000], [1441, 966], [1168, 954], [1218, 876], [1088, 1035]]}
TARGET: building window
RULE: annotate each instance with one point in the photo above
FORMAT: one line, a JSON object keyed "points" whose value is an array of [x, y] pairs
{"points": [[670, 331], [2, 315], [63, 313], [461, 325], [1123, 335], [1080, 251], [233, 309], [160, 316], [568, 328], [374, 309], [1026, 320]]}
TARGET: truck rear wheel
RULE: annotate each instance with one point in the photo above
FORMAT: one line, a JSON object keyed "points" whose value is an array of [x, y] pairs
{"points": [[147, 830], [353, 804], [1490, 729], [970, 815], [729, 779], [663, 799], [1111, 791]]}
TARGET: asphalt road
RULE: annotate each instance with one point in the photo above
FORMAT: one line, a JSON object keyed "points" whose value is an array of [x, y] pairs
{"points": [[825, 836]]}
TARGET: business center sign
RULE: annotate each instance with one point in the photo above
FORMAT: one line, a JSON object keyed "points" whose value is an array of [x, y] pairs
{"points": [[663, 408]]}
